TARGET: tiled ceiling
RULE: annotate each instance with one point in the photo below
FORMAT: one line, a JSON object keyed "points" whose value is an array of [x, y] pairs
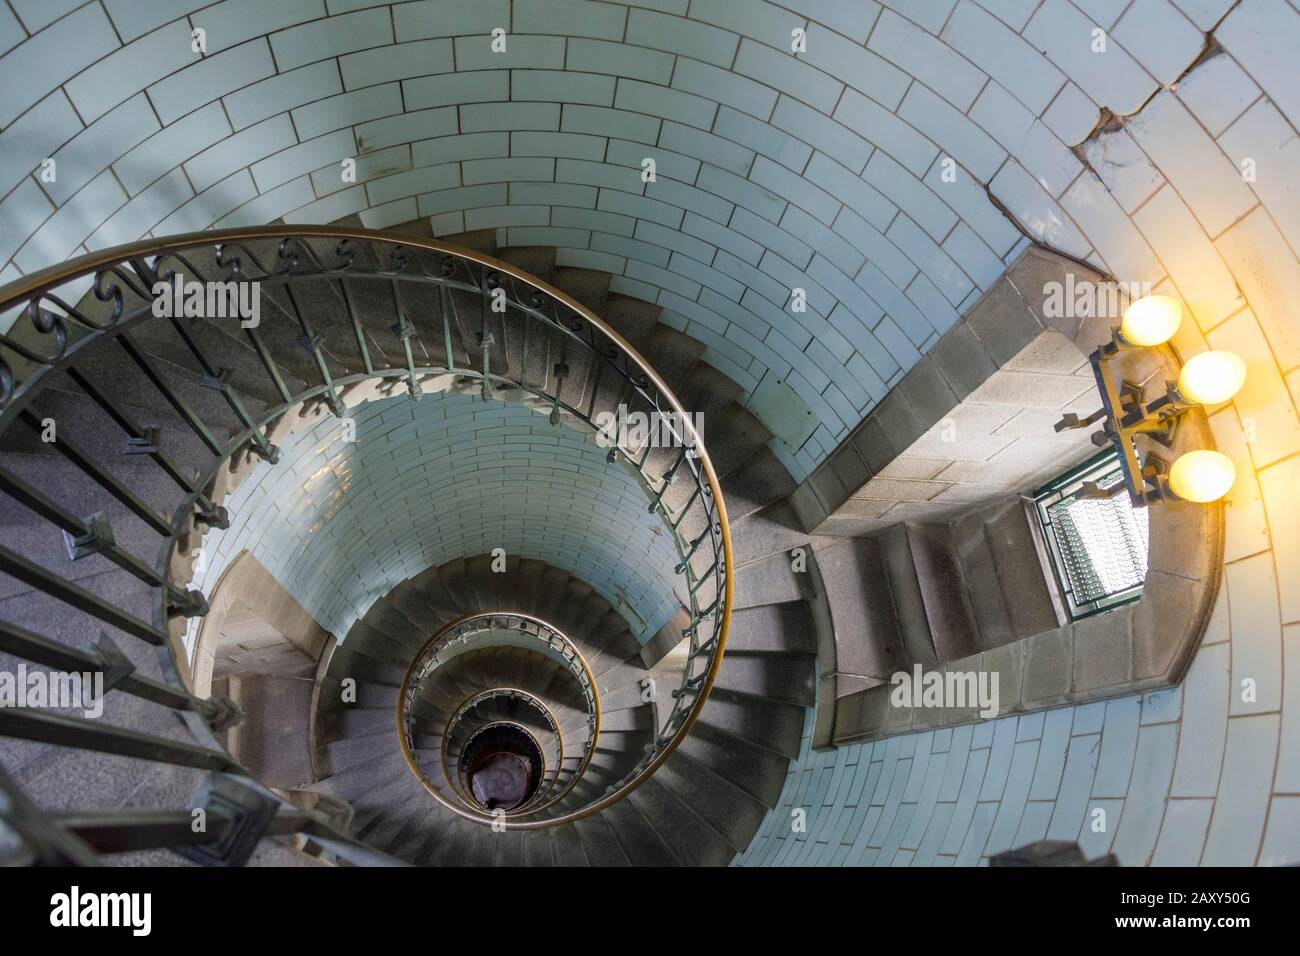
{"points": [[889, 167]]}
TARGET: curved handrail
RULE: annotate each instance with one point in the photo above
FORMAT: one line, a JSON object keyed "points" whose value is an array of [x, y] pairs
{"points": [[133, 271], [532, 701], [460, 631]]}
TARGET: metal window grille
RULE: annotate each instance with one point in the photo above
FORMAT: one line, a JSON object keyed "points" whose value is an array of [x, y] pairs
{"points": [[1097, 545]]}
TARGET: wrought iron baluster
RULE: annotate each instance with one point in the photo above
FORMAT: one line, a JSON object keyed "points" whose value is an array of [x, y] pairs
{"points": [[405, 331], [311, 341], [70, 450], [268, 364], [17, 566], [41, 650], [491, 284], [87, 536], [357, 328], [105, 738], [182, 407]]}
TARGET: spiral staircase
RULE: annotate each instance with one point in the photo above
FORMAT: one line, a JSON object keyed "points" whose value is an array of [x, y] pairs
{"points": [[619, 750]]}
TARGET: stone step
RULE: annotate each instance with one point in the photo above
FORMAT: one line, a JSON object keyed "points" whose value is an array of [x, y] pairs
{"points": [[929, 593]]}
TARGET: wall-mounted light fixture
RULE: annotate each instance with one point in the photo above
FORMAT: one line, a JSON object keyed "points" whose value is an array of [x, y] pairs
{"points": [[1209, 378]]}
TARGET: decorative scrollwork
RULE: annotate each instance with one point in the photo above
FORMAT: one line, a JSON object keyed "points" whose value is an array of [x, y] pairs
{"points": [[233, 263], [6, 383], [106, 291], [285, 252], [346, 254], [397, 259], [44, 322]]}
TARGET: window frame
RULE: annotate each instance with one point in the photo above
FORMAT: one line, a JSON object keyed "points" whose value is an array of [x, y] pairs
{"points": [[1056, 490]]}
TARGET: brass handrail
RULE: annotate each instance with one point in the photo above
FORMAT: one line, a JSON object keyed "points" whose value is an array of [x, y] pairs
{"points": [[113, 269]]}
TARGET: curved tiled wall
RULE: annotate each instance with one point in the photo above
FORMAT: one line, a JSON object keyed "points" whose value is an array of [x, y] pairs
{"points": [[340, 524], [823, 170]]}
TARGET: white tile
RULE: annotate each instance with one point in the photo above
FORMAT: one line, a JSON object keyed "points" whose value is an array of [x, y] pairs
{"points": [[34, 137], [1207, 287], [470, 87], [99, 144], [1123, 167], [1264, 405], [98, 88], [1263, 136], [1111, 78], [1160, 38], [1076, 784], [210, 78], [134, 18], [1182, 834], [245, 147], [1265, 34], [890, 134], [1111, 232], [1246, 527], [303, 158], [234, 21], [1032, 143], [1072, 115], [562, 87], [1035, 210], [142, 213], [38, 14], [1217, 92], [347, 109], [330, 37], [789, 74], [598, 56], [11, 31], [22, 213], [445, 18], [999, 52], [272, 205], [956, 135], [715, 83], [1118, 747], [1153, 766], [77, 218], [762, 21], [1204, 727], [1238, 821], [1205, 13], [1188, 158], [35, 67], [1283, 834], [521, 52], [573, 17], [395, 62], [868, 73], [927, 58], [281, 92], [1256, 633]]}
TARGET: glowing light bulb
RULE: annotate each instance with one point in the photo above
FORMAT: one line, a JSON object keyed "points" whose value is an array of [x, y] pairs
{"points": [[1151, 320], [1212, 378], [1202, 476]]}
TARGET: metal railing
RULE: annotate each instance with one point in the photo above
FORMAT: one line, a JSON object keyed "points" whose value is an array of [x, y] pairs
{"points": [[488, 629], [525, 341], [544, 714]]}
